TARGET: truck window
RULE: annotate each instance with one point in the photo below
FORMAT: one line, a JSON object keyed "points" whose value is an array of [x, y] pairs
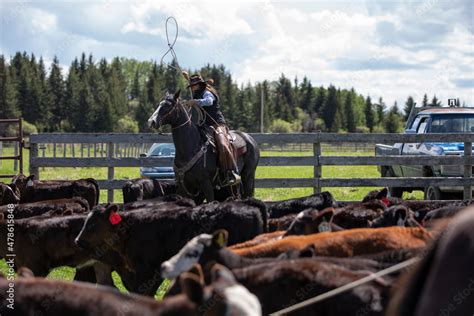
{"points": [[453, 123], [422, 127]]}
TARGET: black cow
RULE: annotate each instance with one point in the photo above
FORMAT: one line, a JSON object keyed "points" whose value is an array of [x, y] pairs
{"points": [[358, 215], [143, 189], [143, 238], [317, 201], [397, 215], [49, 208], [43, 243], [9, 194], [34, 190]]}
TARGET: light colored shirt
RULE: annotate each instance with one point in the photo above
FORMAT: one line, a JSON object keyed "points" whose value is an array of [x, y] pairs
{"points": [[207, 99]]}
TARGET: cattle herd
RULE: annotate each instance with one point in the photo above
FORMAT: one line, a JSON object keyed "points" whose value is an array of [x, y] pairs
{"points": [[237, 257]]}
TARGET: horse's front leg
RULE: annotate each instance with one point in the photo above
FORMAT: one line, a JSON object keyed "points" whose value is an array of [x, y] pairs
{"points": [[208, 190]]}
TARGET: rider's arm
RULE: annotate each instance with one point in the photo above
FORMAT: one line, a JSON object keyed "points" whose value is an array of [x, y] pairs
{"points": [[207, 99]]}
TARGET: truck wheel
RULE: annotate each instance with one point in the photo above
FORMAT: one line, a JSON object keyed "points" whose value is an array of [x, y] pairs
{"points": [[393, 191], [433, 193]]}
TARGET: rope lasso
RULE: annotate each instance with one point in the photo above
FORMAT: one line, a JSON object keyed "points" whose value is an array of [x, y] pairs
{"points": [[171, 44]]}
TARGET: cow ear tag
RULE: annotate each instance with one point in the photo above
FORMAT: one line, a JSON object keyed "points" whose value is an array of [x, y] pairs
{"points": [[114, 218], [385, 201], [324, 226]]}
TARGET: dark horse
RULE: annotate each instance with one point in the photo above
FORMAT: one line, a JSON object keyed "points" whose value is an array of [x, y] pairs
{"points": [[196, 164]]}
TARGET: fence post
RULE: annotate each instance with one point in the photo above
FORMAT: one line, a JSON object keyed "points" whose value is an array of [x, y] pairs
{"points": [[34, 170], [110, 171], [467, 170], [317, 166], [15, 153]]}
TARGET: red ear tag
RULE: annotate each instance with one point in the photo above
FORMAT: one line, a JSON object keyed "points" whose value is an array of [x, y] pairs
{"points": [[385, 201], [114, 218]]}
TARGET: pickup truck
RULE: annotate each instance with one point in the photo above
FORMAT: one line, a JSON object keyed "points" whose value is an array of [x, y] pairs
{"points": [[430, 120]]}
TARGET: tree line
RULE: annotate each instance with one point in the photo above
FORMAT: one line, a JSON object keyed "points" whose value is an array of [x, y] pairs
{"points": [[120, 95]]}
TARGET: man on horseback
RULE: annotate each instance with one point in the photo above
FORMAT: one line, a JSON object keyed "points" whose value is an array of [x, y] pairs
{"points": [[205, 96]]}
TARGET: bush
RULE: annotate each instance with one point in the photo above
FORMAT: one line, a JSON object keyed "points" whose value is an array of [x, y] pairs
{"points": [[362, 129], [281, 126], [126, 125], [28, 129]]}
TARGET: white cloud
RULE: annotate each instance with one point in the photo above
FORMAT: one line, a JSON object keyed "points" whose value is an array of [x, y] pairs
{"points": [[390, 49], [42, 21]]}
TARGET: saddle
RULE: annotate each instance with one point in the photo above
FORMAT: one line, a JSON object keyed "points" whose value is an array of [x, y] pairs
{"points": [[238, 143]]}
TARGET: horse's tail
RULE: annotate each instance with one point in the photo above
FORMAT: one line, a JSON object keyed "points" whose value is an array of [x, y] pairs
{"points": [[250, 162]]}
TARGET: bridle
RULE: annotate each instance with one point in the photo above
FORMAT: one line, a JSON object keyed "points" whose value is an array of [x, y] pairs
{"points": [[175, 107]]}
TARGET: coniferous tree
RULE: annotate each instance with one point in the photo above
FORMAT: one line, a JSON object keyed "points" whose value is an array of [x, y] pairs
{"points": [[135, 92], [380, 109], [425, 101], [319, 101], [369, 114], [8, 97], [330, 108], [307, 92], [409, 105], [56, 91], [435, 102], [393, 121], [349, 110]]}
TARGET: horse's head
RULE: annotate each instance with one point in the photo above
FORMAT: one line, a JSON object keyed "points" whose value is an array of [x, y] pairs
{"points": [[167, 111]]}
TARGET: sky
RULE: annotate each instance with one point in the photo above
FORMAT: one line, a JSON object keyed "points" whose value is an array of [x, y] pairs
{"points": [[381, 48]]}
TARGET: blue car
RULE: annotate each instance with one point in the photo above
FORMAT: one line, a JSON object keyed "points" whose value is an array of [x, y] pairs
{"points": [[160, 150]]}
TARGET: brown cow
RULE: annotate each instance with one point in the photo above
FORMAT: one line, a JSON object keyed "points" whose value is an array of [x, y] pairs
{"points": [[34, 190], [206, 248], [344, 243]]}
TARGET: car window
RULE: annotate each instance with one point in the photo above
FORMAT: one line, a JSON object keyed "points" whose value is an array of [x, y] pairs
{"points": [[415, 122], [452, 124], [422, 127], [163, 150]]}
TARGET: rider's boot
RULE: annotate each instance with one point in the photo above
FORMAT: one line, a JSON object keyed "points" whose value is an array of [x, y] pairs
{"points": [[232, 177]]}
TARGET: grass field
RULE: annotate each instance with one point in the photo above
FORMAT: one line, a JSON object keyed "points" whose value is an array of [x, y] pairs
{"points": [[343, 193]]}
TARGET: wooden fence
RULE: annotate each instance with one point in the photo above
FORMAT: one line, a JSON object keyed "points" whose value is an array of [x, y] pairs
{"points": [[17, 146], [317, 160]]}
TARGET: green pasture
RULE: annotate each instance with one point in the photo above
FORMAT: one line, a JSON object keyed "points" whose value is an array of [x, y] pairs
{"points": [[348, 193]]}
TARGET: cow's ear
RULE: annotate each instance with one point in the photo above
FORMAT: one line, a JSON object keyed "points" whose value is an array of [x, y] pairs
{"points": [[176, 94], [114, 217], [382, 194], [197, 271], [220, 238], [308, 251], [328, 214], [29, 180], [2, 217], [192, 287], [401, 216]]}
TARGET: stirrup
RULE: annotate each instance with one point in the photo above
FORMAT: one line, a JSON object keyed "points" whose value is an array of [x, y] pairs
{"points": [[233, 178]]}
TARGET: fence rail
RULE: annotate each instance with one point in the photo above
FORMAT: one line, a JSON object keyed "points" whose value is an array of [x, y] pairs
{"points": [[317, 160]]}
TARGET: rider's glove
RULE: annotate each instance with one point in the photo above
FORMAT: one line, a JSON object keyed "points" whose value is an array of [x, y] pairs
{"points": [[192, 102], [185, 75]]}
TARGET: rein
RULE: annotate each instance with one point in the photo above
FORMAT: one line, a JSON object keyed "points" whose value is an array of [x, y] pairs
{"points": [[171, 111]]}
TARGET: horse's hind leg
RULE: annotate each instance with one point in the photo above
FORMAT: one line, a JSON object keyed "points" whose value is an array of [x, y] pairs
{"points": [[248, 182]]}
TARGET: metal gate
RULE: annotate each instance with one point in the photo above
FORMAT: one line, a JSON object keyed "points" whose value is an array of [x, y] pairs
{"points": [[18, 153]]}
